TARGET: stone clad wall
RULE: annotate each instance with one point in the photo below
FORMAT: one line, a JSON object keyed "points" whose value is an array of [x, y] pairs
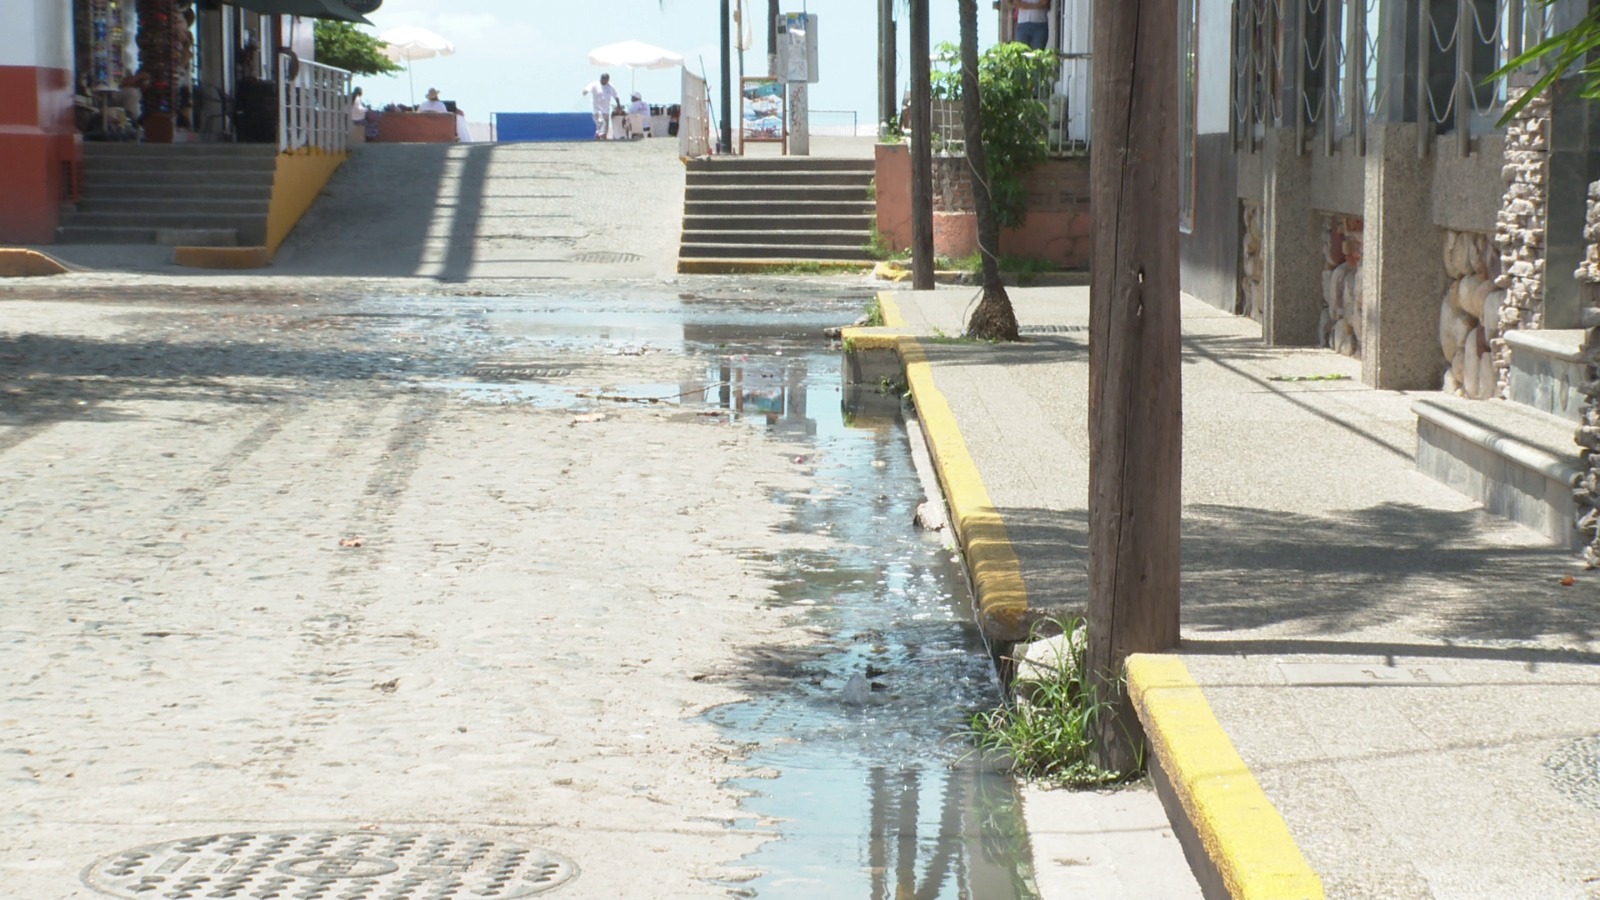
{"points": [[1587, 491], [1470, 317], [1519, 231], [1341, 322]]}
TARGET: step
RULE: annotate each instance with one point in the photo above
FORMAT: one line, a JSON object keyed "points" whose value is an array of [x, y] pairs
{"points": [[854, 239], [251, 229], [779, 210], [1548, 371], [194, 148], [127, 191], [689, 250], [857, 180], [79, 234], [1518, 462], [99, 203], [183, 164], [860, 223], [779, 163], [96, 176], [197, 237], [769, 194]]}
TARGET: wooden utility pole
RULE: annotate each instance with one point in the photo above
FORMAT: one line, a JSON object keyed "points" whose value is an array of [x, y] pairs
{"points": [[888, 103], [1135, 386], [921, 151]]}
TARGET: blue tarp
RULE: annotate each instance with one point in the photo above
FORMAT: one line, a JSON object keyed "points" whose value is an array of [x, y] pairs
{"points": [[511, 127]]}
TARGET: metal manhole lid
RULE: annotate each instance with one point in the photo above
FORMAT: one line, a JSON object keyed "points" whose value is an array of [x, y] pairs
{"points": [[606, 256], [353, 864], [516, 369], [1050, 329], [1574, 771]]}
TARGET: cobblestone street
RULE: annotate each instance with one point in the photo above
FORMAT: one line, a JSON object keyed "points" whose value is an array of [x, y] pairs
{"points": [[283, 560]]}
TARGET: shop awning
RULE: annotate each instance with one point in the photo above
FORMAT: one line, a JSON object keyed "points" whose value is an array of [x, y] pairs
{"points": [[316, 9]]}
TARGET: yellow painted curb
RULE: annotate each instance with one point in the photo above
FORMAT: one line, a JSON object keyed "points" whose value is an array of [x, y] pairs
{"points": [[1242, 833], [222, 257], [16, 262], [1002, 599]]}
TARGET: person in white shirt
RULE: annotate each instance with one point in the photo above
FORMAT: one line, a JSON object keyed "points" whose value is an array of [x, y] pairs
{"points": [[639, 116], [433, 103], [1033, 23], [604, 97]]}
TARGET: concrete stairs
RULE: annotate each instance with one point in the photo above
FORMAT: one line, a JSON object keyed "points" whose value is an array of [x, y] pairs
{"points": [[789, 209], [1518, 457], [213, 195]]}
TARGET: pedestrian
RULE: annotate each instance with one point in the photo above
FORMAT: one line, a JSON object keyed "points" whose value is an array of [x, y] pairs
{"points": [[1033, 23], [604, 97], [638, 117]]}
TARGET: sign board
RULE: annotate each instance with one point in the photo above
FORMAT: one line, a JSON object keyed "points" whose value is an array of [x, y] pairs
{"points": [[761, 111], [797, 47]]}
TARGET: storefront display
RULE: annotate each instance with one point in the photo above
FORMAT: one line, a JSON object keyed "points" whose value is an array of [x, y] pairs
{"points": [[101, 36]]}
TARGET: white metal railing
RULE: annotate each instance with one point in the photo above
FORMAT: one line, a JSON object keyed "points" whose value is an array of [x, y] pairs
{"points": [[313, 106], [1320, 66]]}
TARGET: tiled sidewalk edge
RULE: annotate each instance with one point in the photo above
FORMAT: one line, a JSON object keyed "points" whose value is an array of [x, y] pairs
{"points": [[1244, 841]]}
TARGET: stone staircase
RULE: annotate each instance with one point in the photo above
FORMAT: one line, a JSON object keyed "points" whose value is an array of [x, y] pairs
{"points": [[213, 195], [1518, 457], [781, 209]]}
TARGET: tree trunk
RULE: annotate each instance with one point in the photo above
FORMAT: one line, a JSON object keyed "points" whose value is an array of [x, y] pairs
{"points": [[921, 152], [1135, 386], [994, 319]]}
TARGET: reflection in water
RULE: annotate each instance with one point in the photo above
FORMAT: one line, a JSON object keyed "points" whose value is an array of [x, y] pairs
{"points": [[857, 738]]}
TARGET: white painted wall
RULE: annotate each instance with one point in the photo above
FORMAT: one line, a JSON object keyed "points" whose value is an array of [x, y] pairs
{"points": [[36, 33], [1076, 30]]}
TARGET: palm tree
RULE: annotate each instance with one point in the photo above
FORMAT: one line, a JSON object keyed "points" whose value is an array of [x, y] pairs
{"points": [[994, 319]]}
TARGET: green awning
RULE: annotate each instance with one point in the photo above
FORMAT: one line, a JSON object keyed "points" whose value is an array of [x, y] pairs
{"points": [[316, 9]]}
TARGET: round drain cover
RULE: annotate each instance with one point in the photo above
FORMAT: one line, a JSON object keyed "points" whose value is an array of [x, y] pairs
{"points": [[329, 864], [1574, 770]]}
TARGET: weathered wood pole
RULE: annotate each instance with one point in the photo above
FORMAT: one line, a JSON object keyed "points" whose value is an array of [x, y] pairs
{"points": [[921, 151], [1135, 386]]}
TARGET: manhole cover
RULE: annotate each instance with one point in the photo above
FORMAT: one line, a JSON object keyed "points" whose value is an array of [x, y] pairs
{"points": [[503, 370], [1574, 770], [606, 256], [329, 864], [1050, 329]]}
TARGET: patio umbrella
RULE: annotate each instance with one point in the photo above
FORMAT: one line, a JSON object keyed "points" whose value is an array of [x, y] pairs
{"points": [[316, 9], [634, 55], [408, 42]]}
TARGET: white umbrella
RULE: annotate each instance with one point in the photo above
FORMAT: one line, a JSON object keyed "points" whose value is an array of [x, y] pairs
{"points": [[634, 55], [408, 42]]}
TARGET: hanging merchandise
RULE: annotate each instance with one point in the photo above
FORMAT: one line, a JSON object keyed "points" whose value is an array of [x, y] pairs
{"points": [[100, 38], [162, 63]]}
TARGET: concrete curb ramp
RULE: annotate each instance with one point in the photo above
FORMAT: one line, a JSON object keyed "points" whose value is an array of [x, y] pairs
{"points": [[18, 263], [1244, 846]]}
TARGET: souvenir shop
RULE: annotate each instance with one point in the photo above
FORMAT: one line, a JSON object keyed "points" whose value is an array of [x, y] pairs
{"points": [[165, 71]]}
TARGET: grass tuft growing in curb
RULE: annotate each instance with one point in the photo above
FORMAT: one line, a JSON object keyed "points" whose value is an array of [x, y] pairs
{"points": [[1045, 732]]}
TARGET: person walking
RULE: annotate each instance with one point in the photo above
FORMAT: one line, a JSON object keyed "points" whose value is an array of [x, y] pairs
{"points": [[604, 97]]}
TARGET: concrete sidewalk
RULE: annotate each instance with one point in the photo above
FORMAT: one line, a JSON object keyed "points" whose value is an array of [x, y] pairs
{"points": [[1382, 691]]}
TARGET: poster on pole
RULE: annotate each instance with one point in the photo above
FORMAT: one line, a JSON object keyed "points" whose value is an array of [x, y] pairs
{"points": [[762, 118]]}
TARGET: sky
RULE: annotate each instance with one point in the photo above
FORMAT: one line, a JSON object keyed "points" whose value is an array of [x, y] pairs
{"points": [[531, 55]]}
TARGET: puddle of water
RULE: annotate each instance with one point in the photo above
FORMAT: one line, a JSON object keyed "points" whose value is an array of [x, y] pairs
{"points": [[857, 765], [870, 793]]}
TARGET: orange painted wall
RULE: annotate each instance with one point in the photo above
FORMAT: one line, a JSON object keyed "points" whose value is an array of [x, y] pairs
{"points": [[40, 152], [1056, 227]]}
